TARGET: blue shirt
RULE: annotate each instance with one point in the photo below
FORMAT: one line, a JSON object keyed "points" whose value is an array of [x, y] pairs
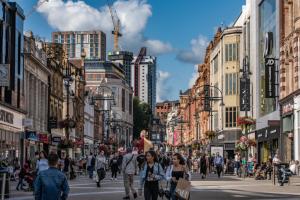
{"points": [[158, 172], [51, 184], [42, 165], [219, 160]]}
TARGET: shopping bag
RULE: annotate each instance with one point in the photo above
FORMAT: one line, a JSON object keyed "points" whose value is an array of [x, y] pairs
{"points": [[101, 173], [95, 176], [183, 189]]}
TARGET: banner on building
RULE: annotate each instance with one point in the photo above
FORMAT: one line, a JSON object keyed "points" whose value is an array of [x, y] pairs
{"points": [[31, 135], [244, 94], [270, 78], [44, 138], [207, 98]]}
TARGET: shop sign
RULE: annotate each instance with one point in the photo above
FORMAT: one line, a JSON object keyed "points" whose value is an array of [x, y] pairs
{"points": [[4, 75], [245, 94], [56, 139], [288, 108], [217, 149], [27, 122], [43, 138], [6, 116], [52, 122], [79, 142], [31, 135], [270, 78]]}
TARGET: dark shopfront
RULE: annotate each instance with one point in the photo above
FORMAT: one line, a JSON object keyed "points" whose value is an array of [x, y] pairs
{"points": [[287, 137], [267, 143]]}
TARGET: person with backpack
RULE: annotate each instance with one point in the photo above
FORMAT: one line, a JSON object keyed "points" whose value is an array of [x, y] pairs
{"points": [[150, 177], [129, 169], [114, 166], [141, 160]]}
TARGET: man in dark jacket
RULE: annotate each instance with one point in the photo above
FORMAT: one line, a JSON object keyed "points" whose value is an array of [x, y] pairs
{"points": [[51, 184]]}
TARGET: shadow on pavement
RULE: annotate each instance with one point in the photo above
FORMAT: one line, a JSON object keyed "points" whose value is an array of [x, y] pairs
{"points": [[213, 194]]}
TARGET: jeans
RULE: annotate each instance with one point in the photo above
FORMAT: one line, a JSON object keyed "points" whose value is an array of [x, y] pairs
{"points": [[172, 191], [151, 191], [20, 183], [90, 170], [114, 172], [128, 184], [219, 170]]}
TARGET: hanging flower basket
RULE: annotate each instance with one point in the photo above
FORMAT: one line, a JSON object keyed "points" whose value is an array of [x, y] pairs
{"points": [[245, 121], [252, 143], [210, 134], [240, 146]]}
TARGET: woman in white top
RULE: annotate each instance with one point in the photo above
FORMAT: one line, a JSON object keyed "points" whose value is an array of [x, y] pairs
{"points": [[100, 167], [42, 162]]}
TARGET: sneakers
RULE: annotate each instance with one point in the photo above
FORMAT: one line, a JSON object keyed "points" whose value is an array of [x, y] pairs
{"points": [[135, 195], [127, 197]]}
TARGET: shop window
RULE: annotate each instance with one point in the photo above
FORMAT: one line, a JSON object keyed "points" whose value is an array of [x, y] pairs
{"points": [[287, 123]]}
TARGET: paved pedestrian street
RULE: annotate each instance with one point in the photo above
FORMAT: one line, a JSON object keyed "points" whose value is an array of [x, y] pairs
{"points": [[229, 187]]}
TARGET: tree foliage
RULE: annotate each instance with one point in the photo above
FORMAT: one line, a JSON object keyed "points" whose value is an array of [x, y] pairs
{"points": [[141, 117]]}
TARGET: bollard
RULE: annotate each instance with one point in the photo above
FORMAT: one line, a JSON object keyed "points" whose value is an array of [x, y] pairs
{"points": [[3, 186]]}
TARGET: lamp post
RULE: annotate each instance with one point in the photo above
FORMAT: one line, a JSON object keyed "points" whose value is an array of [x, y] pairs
{"points": [[68, 80], [209, 99], [83, 55], [104, 93]]}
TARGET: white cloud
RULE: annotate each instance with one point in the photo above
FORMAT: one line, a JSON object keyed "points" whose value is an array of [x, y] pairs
{"points": [[197, 51], [162, 89], [77, 15], [194, 76], [158, 47]]}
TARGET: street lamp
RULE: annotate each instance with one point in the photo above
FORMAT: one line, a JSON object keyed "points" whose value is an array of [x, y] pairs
{"points": [[208, 98], [68, 80], [104, 93]]}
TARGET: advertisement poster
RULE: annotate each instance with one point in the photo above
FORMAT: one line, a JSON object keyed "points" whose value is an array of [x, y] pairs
{"points": [[217, 149]]}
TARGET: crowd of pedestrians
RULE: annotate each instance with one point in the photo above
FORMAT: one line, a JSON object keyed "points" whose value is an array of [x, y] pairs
{"points": [[49, 174]]}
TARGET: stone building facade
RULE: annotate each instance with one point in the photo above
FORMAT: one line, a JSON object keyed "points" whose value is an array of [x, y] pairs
{"points": [[224, 77], [163, 108], [36, 76], [289, 78], [55, 63]]}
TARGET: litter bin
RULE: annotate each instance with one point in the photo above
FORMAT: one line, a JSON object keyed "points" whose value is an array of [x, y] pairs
{"points": [[4, 183]]}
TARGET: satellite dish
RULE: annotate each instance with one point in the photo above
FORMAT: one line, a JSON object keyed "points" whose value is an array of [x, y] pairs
{"points": [[268, 44]]}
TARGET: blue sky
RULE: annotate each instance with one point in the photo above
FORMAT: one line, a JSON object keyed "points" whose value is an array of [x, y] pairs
{"points": [[176, 31]]}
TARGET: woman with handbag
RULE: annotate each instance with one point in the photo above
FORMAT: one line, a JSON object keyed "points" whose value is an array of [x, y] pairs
{"points": [[150, 176], [175, 172]]}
